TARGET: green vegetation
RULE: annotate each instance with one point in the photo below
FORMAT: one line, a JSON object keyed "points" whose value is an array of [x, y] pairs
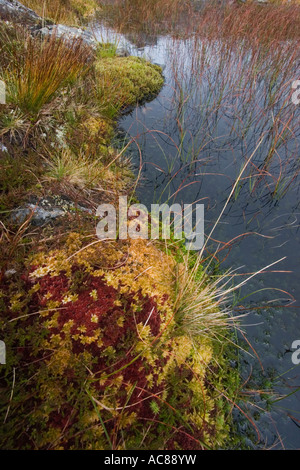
{"points": [[99, 358], [122, 82], [44, 69], [107, 49]]}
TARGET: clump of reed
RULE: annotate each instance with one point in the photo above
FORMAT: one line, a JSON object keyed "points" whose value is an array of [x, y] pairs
{"points": [[45, 68], [76, 170], [200, 302], [272, 22], [144, 16]]}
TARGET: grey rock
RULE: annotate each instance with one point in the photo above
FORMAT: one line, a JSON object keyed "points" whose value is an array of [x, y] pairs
{"points": [[9, 273], [40, 215], [68, 32], [14, 11], [122, 52], [46, 210]]}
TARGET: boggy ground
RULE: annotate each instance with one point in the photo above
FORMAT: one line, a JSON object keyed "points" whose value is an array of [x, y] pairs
{"points": [[99, 355]]}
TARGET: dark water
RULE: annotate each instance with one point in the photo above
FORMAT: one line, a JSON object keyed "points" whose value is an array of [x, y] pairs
{"points": [[194, 138]]}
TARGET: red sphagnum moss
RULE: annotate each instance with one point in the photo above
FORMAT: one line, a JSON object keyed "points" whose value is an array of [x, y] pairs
{"points": [[100, 362]]}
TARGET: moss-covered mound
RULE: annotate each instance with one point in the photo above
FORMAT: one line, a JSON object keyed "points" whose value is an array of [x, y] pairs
{"points": [[131, 79], [97, 358]]}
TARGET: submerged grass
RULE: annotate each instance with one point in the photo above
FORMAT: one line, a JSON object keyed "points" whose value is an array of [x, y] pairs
{"points": [[137, 15]]}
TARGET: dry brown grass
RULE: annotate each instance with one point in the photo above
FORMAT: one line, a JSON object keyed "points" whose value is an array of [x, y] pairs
{"points": [[62, 11], [252, 21]]}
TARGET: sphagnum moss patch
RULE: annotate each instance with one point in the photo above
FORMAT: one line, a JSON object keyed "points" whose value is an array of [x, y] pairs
{"points": [[93, 340]]}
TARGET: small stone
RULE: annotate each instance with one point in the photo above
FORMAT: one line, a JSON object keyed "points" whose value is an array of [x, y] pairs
{"points": [[69, 32], [9, 273], [122, 52]]}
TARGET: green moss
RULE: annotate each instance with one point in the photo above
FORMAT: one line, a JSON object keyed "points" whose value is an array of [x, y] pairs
{"points": [[106, 49], [125, 81]]}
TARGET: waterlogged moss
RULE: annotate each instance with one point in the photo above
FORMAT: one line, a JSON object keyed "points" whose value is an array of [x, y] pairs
{"points": [[128, 80]]}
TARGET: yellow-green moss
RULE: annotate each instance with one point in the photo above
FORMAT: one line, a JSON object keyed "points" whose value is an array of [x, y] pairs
{"points": [[98, 335], [125, 81]]}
